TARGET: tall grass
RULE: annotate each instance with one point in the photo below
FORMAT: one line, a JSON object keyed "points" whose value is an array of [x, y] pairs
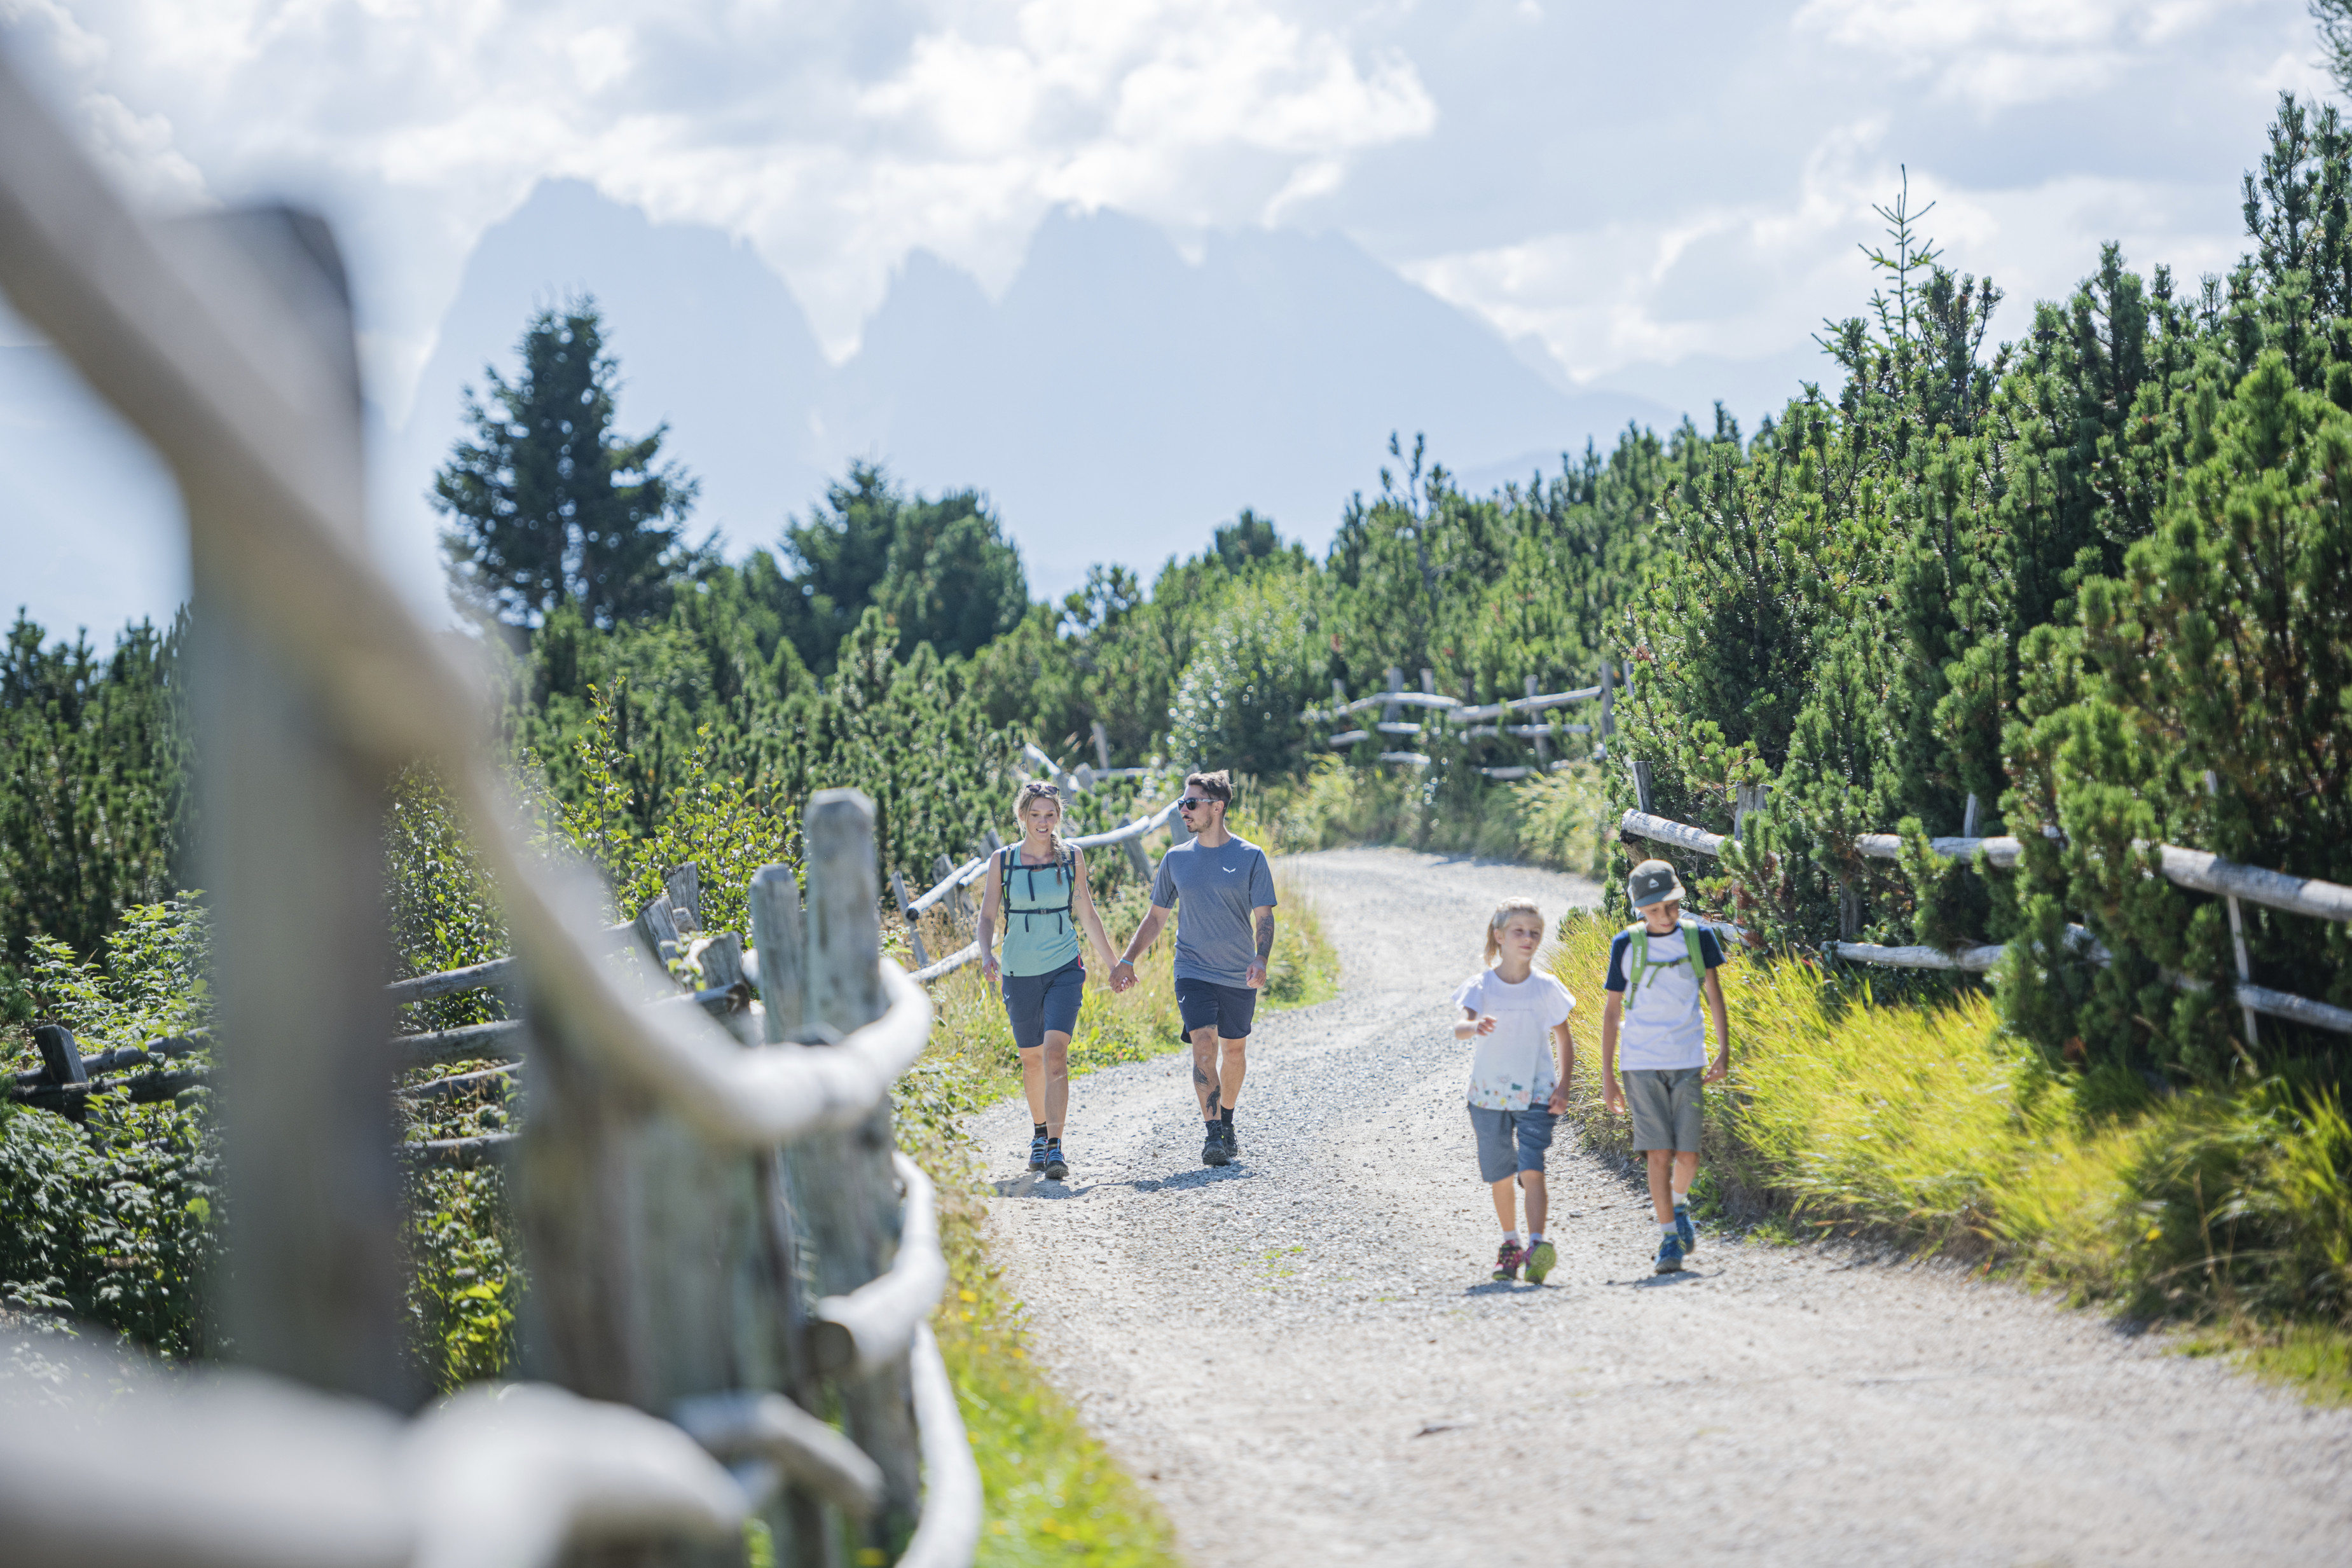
{"points": [[1933, 1127]]}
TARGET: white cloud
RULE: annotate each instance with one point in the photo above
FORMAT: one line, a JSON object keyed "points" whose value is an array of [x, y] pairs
{"points": [[139, 150], [836, 139], [1742, 281], [1995, 53]]}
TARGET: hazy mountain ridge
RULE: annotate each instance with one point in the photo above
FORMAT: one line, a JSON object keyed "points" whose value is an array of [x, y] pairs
{"points": [[1115, 404]]}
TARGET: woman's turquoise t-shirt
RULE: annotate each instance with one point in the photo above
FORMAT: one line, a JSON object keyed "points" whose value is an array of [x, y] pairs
{"points": [[1041, 932]]}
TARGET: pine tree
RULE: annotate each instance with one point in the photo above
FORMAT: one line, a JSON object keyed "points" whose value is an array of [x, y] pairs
{"points": [[547, 505]]}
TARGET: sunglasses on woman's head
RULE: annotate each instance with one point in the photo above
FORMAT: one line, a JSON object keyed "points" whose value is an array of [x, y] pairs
{"points": [[1054, 790]]}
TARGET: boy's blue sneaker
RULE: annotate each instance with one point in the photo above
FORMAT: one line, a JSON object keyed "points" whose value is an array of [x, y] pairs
{"points": [[1037, 1153], [1685, 1232], [1056, 1167], [1670, 1256]]}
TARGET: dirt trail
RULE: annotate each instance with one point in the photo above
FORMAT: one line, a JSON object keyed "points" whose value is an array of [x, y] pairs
{"points": [[1302, 1355]]}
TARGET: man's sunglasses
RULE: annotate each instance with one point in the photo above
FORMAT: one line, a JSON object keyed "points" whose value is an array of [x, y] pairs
{"points": [[1189, 802]]}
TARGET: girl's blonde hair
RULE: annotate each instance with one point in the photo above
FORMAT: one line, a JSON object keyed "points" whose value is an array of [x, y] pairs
{"points": [[1501, 917], [1038, 789]]}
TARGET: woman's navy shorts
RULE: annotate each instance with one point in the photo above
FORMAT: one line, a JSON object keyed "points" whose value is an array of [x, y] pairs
{"points": [[1042, 1004]]}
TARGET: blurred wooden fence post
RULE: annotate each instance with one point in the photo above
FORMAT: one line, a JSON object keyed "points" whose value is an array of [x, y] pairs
{"points": [[293, 855], [781, 939], [843, 1189], [914, 923], [1543, 742]]}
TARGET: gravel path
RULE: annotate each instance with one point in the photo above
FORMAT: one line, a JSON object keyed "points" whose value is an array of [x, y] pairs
{"points": [[1303, 1357]]}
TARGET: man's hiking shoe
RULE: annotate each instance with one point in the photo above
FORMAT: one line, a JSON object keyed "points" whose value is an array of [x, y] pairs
{"points": [[1232, 1144], [1056, 1166], [1507, 1258], [1540, 1260], [1213, 1148], [1670, 1256], [1037, 1153], [1685, 1231]]}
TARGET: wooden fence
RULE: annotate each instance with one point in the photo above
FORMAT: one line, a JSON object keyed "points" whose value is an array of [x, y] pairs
{"points": [[1474, 721], [2192, 869], [721, 1240]]}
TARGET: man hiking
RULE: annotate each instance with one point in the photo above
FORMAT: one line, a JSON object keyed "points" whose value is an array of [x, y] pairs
{"points": [[1226, 887]]}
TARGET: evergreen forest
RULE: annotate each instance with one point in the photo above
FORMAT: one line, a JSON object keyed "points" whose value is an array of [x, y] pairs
{"points": [[2078, 570]]}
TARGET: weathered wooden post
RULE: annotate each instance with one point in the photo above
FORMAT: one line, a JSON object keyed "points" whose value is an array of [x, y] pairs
{"points": [[1751, 798], [293, 855], [2237, 933], [1608, 704], [1543, 743], [1102, 744], [913, 921], [662, 1266], [1969, 816], [1642, 788], [780, 937], [844, 1190], [61, 1063]]}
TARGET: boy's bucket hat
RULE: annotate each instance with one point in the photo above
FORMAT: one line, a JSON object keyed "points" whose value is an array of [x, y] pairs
{"points": [[1653, 882]]}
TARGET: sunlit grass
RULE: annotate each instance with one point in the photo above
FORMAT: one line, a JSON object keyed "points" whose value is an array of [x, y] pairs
{"points": [[1934, 1127]]}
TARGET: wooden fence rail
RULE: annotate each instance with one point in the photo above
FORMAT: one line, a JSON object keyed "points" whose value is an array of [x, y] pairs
{"points": [[696, 1193], [1472, 721], [2193, 869]]}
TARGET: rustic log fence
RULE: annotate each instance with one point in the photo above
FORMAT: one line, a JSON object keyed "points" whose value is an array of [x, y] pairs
{"points": [[1473, 721], [2196, 869], [722, 1243]]}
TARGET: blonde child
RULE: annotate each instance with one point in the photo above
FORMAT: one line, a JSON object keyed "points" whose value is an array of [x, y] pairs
{"points": [[1517, 1088]]}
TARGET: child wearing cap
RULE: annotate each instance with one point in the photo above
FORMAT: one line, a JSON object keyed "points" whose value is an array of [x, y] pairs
{"points": [[1659, 967]]}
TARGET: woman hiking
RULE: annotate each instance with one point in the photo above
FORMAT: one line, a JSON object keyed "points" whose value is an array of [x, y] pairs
{"points": [[1040, 886]]}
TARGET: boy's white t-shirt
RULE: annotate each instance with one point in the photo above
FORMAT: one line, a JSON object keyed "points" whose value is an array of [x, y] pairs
{"points": [[1661, 1029], [1513, 1067]]}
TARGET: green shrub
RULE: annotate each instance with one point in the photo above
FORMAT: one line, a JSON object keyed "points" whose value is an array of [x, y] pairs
{"points": [[115, 1222]]}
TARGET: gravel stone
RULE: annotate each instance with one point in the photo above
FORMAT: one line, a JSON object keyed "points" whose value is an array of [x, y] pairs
{"points": [[1303, 1357]]}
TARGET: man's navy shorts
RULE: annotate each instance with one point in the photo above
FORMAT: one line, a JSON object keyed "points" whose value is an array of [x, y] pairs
{"points": [[1229, 1008]]}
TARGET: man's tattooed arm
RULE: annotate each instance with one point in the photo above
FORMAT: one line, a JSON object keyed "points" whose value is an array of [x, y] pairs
{"points": [[1265, 935]]}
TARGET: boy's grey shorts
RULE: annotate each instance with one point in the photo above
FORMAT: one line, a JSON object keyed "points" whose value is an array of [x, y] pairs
{"points": [[1510, 1141], [1664, 1103]]}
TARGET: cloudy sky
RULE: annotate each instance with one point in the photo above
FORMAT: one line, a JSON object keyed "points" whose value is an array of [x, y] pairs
{"points": [[1663, 198]]}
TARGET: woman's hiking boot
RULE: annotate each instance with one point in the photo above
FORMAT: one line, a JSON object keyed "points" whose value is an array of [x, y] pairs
{"points": [[1670, 1256], [1540, 1260], [1685, 1231], [1507, 1258], [1056, 1166], [1037, 1153]]}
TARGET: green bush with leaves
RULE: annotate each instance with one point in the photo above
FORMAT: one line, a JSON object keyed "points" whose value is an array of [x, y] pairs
{"points": [[113, 1221]]}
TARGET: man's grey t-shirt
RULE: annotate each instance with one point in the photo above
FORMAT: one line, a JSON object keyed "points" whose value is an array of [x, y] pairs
{"points": [[1217, 889]]}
